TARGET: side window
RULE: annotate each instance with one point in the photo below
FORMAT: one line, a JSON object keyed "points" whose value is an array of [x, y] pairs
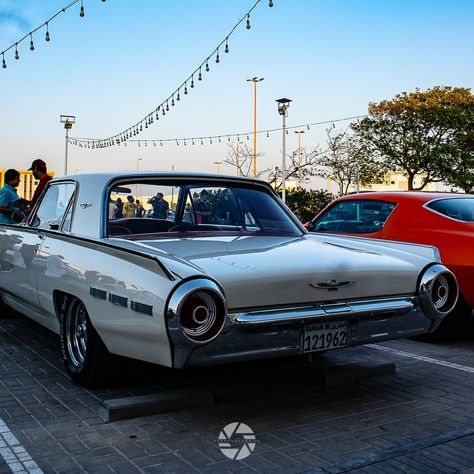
{"points": [[355, 217], [460, 209], [53, 206]]}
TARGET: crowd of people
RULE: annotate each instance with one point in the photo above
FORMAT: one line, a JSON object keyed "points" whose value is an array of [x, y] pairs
{"points": [[134, 208]]}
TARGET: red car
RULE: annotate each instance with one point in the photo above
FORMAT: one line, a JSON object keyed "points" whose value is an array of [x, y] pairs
{"points": [[444, 220]]}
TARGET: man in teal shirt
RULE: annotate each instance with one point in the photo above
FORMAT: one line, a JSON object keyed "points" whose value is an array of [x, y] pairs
{"points": [[9, 200]]}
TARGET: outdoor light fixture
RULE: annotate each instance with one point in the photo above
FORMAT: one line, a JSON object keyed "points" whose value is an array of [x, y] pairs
{"points": [[68, 121], [283, 105]]}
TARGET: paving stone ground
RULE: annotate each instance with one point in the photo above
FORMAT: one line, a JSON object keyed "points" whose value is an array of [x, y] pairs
{"points": [[420, 419]]}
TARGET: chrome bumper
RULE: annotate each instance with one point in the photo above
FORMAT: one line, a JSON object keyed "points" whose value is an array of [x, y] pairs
{"points": [[279, 332]]}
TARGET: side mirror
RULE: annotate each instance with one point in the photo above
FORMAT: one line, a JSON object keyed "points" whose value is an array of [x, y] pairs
{"points": [[18, 217], [311, 226]]}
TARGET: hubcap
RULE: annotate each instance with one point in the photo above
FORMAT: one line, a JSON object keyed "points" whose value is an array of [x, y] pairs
{"points": [[76, 334]]}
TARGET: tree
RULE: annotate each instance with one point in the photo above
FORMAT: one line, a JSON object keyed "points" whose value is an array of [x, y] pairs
{"points": [[301, 170], [416, 132], [240, 156], [347, 162], [307, 203]]}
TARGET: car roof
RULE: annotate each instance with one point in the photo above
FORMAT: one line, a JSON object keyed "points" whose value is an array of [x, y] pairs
{"points": [[400, 196]]}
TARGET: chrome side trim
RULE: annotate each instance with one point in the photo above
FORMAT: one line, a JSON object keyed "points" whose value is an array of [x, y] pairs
{"points": [[348, 309]]}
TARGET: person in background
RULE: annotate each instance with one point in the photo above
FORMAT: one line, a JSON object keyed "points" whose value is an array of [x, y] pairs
{"points": [[40, 172], [9, 200], [112, 208], [129, 207], [160, 206], [201, 207], [139, 211], [118, 208]]}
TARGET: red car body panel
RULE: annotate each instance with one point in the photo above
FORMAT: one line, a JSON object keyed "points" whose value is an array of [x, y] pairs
{"points": [[410, 221]]}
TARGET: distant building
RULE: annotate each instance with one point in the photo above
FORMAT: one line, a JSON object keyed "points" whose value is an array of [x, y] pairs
{"points": [[396, 181], [27, 185]]}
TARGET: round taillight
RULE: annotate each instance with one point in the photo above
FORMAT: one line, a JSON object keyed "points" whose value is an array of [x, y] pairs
{"points": [[201, 316], [197, 310], [438, 291]]}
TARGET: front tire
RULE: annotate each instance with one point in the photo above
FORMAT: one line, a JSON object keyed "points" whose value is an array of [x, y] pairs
{"points": [[85, 356]]}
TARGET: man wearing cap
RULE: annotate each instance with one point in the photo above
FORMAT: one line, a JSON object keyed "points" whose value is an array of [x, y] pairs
{"points": [[38, 167]]}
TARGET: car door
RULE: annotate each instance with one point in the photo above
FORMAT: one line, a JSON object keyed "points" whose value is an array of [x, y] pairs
{"points": [[51, 220], [19, 247]]}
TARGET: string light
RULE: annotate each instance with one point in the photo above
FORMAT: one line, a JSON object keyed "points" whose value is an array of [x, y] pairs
{"points": [[84, 141], [215, 53], [4, 64], [44, 24]]}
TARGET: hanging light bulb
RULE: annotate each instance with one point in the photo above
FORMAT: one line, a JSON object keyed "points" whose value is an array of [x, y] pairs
{"points": [[4, 64], [210, 141], [146, 143], [47, 37], [167, 106], [193, 141], [270, 3], [82, 10], [146, 124], [177, 143], [200, 75], [177, 97], [163, 110], [192, 81], [219, 139], [172, 101], [268, 134], [157, 116], [217, 56], [154, 143], [207, 66], [226, 50], [307, 126], [184, 142], [185, 89], [17, 56], [141, 128], [202, 143], [161, 143], [248, 22], [32, 46]]}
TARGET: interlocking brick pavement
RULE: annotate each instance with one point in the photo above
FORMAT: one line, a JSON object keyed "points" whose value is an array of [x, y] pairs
{"points": [[420, 419]]}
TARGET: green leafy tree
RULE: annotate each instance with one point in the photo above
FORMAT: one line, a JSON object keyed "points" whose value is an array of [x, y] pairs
{"points": [[307, 203], [419, 133]]}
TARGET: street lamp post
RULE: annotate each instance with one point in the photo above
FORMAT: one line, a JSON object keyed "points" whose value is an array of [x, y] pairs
{"points": [[299, 132], [68, 121], [138, 163], [255, 80], [218, 163], [138, 169], [283, 105]]}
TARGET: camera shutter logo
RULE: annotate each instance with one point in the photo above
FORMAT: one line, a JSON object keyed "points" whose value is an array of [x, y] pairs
{"points": [[237, 441]]}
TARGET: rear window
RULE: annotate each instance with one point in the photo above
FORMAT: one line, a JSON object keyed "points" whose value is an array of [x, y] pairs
{"points": [[355, 217], [460, 209]]}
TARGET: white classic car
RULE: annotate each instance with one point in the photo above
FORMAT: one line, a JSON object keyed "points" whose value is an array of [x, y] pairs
{"points": [[232, 275]]}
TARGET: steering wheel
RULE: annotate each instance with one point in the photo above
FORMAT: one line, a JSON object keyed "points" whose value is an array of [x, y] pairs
{"points": [[348, 227]]}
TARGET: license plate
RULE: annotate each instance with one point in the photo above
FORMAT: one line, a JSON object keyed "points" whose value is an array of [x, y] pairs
{"points": [[323, 336]]}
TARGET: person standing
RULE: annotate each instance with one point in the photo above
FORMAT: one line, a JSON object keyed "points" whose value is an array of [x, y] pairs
{"points": [[118, 208], [160, 206], [40, 172], [9, 199], [139, 211], [129, 207], [201, 207]]}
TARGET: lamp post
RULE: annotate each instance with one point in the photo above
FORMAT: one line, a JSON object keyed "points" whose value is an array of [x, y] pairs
{"points": [[255, 80], [218, 163], [138, 169], [68, 121], [299, 132], [237, 157], [283, 105], [138, 163]]}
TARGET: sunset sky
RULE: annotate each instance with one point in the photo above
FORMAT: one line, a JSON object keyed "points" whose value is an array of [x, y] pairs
{"points": [[115, 65]]}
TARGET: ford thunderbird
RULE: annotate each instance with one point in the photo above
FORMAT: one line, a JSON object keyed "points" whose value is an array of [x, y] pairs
{"points": [[217, 270]]}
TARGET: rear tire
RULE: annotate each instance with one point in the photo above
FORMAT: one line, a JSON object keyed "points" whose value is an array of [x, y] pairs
{"points": [[85, 356], [453, 325]]}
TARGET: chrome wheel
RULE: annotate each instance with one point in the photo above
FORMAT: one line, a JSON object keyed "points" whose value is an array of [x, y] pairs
{"points": [[76, 333]]}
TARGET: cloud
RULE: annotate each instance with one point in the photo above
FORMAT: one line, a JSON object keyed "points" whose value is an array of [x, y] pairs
{"points": [[14, 23]]}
